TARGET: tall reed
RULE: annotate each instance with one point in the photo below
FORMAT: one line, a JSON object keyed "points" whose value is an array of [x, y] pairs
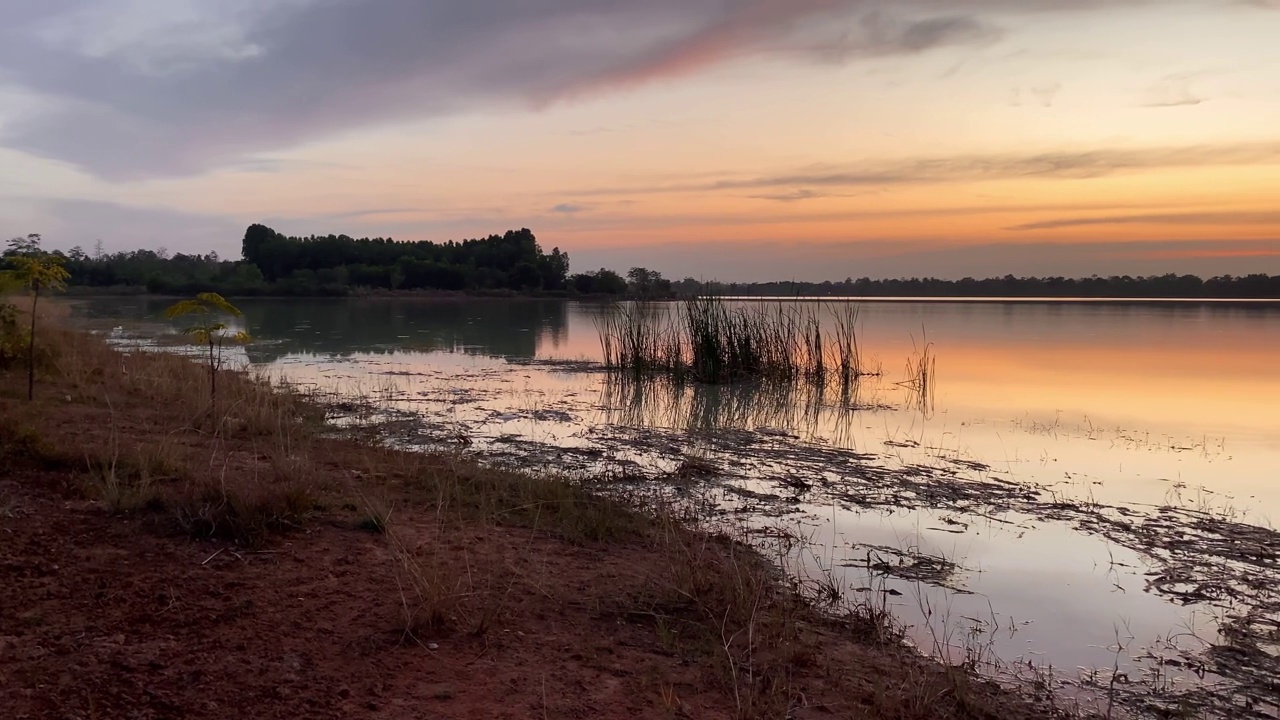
{"points": [[921, 374], [714, 341]]}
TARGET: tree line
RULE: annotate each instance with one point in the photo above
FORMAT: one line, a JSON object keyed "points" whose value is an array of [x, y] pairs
{"points": [[335, 265], [514, 262], [1255, 286]]}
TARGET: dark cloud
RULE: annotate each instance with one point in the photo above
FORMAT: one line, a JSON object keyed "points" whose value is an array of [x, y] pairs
{"points": [[1190, 218], [136, 88], [568, 208]]}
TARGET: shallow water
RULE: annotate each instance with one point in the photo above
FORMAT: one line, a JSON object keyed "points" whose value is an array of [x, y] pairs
{"points": [[1119, 404]]}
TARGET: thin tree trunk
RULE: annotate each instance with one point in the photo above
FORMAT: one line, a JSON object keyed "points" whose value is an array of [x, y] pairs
{"points": [[31, 348]]}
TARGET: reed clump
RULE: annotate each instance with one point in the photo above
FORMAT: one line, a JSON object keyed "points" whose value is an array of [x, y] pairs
{"points": [[713, 341]]}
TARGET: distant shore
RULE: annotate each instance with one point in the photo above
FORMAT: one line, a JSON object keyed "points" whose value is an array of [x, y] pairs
{"points": [[367, 293]]}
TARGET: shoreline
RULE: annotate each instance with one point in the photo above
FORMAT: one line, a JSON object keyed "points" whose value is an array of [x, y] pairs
{"points": [[167, 552], [87, 293]]}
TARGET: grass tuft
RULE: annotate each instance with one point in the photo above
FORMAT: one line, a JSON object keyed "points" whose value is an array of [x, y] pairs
{"points": [[714, 341], [441, 593], [124, 490], [246, 516]]}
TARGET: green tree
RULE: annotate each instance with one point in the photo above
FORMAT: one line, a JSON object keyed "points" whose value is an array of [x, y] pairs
{"points": [[207, 309], [647, 283], [35, 270], [28, 246]]}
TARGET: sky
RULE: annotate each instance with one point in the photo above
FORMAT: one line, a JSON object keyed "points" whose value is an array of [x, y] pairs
{"points": [[738, 140]]}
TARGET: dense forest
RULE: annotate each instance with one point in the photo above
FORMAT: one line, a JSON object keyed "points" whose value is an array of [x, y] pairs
{"points": [[274, 264]]}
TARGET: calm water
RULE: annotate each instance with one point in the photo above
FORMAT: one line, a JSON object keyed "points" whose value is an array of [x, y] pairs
{"points": [[1130, 405]]}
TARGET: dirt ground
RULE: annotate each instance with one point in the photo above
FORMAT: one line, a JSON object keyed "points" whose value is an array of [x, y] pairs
{"points": [[103, 618]]}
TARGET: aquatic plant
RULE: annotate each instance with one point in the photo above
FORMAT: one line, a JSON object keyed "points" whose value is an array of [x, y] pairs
{"points": [[710, 340], [921, 374]]}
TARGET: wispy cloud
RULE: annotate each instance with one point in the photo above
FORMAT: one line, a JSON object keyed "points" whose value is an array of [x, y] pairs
{"points": [[976, 168], [1042, 95], [1188, 218], [1173, 91], [598, 130], [569, 208], [790, 197]]}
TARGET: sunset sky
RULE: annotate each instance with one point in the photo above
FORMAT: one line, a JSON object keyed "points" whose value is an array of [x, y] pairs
{"points": [[730, 139]]}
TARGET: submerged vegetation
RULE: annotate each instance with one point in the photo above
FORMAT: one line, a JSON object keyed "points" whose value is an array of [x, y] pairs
{"points": [[715, 341]]}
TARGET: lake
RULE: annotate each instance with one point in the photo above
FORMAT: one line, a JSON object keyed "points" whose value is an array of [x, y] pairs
{"points": [[1086, 492]]}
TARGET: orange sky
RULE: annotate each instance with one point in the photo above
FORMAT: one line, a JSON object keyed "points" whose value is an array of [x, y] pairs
{"points": [[810, 139]]}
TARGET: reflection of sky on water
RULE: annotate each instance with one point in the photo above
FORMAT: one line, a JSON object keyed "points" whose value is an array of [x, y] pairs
{"points": [[1138, 404]]}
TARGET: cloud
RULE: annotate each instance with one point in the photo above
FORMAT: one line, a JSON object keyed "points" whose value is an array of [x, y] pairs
{"points": [[1201, 218], [1173, 91], [1181, 102], [1043, 95], [145, 88], [598, 130], [977, 168], [788, 197], [1073, 165], [569, 208]]}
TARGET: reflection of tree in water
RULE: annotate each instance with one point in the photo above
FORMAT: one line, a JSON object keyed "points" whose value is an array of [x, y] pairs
{"points": [[503, 328], [798, 408], [515, 328]]}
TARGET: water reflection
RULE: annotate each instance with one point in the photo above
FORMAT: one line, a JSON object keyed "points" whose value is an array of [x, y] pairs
{"points": [[804, 410], [522, 329], [498, 328]]}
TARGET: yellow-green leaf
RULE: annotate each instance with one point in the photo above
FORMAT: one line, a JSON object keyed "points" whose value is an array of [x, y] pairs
{"points": [[219, 303]]}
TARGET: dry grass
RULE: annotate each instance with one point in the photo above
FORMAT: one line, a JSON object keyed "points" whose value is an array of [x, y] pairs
{"points": [[442, 593], [735, 610], [246, 516], [451, 486], [148, 440]]}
